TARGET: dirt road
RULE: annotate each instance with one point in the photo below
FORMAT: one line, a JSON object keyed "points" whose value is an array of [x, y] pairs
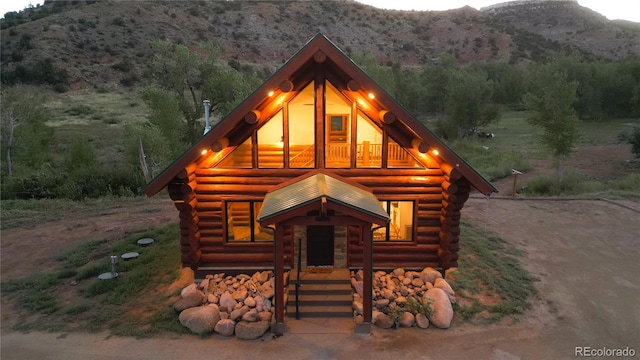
{"points": [[585, 253]]}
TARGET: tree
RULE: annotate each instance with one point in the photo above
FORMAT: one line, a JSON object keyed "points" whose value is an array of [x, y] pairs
{"points": [[191, 76], [25, 136], [468, 104], [165, 114], [551, 100]]}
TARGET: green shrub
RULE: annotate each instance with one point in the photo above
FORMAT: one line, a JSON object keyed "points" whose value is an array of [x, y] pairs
{"points": [[40, 72], [77, 185], [632, 138], [630, 182], [572, 183]]}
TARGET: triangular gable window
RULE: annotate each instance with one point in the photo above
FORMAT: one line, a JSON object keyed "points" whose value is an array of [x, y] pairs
{"points": [[271, 143], [301, 124], [399, 157], [368, 143], [240, 157]]}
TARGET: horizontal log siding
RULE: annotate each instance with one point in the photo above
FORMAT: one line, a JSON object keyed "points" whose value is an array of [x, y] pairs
{"points": [[423, 185], [184, 198], [455, 193]]}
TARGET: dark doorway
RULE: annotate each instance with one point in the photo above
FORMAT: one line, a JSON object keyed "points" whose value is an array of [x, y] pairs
{"points": [[320, 245]]}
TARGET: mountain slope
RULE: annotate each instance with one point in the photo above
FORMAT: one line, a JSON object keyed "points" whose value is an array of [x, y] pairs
{"points": [[102, 42]]}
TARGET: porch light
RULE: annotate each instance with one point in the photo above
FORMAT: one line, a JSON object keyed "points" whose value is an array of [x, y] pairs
{"points": [[271, 93], [371, 96], [203, 152], [363, 104], [435, 152]]}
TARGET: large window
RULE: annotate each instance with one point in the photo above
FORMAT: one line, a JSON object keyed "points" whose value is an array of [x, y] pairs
{"points": [[242, 225], [337, 129], [301, 122], [271, 143], [400, 227], [369, 143]]}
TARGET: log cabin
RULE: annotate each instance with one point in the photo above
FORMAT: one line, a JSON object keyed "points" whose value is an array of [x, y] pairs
{"points": [[319, 167]]}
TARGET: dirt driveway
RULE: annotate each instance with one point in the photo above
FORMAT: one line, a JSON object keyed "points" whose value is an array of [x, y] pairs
{"points": [[585, 252]]}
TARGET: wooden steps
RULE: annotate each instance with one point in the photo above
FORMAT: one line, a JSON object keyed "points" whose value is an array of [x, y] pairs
{"points": [[321, 295]]}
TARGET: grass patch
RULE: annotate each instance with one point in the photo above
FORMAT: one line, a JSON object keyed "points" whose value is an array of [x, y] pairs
{"points": [[490, 278], [492, 163], [138, 303], [80, 255], [574, 183], [27, 213]]}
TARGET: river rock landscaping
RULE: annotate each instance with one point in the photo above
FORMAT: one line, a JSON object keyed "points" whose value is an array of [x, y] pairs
{"points": [[228, 305], [406, 298], [243, 304]]}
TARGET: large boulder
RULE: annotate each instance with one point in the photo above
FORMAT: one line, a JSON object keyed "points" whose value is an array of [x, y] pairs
{"points": [[442, 312], [190, 289], [192, 299], [200, 320], [250, 331], [429, 274], [444, 285], [225, 327]]}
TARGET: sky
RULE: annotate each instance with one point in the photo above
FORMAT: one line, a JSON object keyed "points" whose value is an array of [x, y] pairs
{"points": [[612, 9]]}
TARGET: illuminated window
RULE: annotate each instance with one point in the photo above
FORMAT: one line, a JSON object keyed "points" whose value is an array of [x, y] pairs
{"points": [[400, 227], [240, 157], [301, 121], [399, 157], [337, 129], [242, 225], [271, 143], [368, 143]]}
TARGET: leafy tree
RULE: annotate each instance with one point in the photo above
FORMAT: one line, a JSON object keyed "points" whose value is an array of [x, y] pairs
{"points": [[435, 80], [468, 105], [551, 100], [382, 75], [158, 152], [25, 136], [191, 76], [166, 116]]}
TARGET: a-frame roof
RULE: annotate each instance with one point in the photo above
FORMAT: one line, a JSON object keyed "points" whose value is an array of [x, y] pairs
{"points": [[342, 70]]}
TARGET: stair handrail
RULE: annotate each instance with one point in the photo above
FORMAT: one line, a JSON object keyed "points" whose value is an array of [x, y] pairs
{"points": [[298, 279]]}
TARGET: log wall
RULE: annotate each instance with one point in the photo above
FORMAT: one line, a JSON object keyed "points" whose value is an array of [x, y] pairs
{"points": [[438, 193]]}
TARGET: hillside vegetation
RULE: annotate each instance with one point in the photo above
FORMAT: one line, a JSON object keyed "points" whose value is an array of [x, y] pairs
{"points": [[85, 82]]}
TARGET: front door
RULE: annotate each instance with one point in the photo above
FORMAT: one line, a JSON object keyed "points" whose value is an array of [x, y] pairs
{"points": [[320, 245]]}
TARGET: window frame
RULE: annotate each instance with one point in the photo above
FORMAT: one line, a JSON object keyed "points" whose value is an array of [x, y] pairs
{"points": [[387, 239], [252, 215]]}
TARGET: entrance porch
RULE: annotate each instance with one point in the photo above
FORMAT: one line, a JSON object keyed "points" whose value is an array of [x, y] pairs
{"points": [[337, 203]]}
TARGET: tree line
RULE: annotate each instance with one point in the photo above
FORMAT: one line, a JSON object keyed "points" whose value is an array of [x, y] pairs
{"points": [[454, 102]]}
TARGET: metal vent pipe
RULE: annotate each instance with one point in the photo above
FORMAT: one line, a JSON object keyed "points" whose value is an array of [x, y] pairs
{"points": [[207, 116]]}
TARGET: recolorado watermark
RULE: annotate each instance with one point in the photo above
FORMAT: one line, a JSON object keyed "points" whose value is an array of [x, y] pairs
{"points": [[587, 351]]}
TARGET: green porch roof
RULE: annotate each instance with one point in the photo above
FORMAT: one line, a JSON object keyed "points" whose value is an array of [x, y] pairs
{"points": [[316, 187]]}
